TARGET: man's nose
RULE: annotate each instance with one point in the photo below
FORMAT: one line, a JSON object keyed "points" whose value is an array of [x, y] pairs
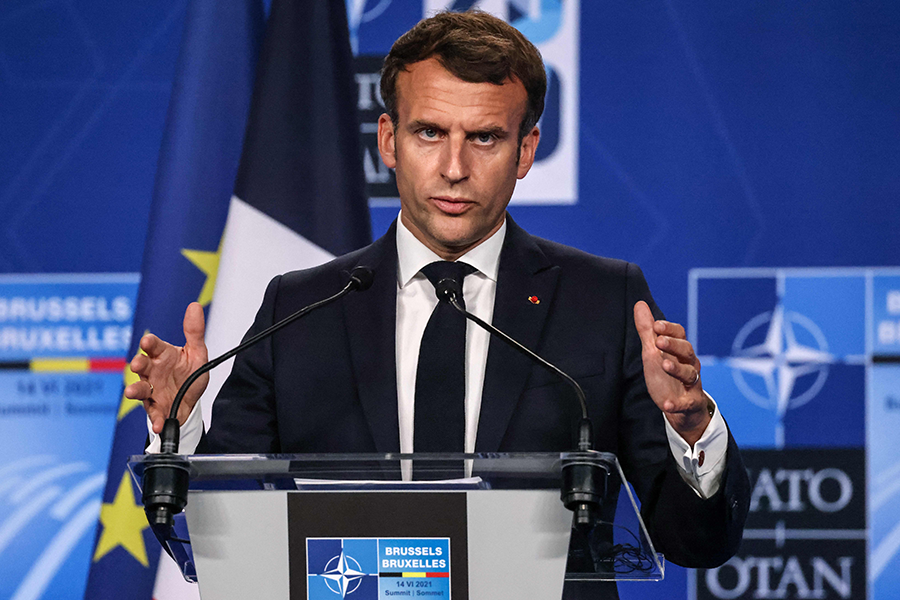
{"points": [[455, 166]]}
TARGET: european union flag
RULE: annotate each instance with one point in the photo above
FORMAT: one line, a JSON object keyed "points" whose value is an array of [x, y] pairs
{"points": [[299, 199], [197, 166]]}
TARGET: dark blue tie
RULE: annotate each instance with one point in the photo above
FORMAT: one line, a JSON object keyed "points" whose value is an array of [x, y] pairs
{"points": [[440, 418]]}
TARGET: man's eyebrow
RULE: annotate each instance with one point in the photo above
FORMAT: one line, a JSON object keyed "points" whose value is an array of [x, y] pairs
{"points": [[495, 130], [420, 124]]}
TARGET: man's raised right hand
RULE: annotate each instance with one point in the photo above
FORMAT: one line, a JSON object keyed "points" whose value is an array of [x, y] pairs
{"points": [[162, 369]]}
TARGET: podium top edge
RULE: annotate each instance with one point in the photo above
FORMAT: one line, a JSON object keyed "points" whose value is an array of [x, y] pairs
{"points": [[360, 457]]}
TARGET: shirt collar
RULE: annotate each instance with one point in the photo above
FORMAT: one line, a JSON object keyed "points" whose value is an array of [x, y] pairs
{"points": [[413, 254]]}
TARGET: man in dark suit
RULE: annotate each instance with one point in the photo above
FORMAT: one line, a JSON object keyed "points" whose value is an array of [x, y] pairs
{"points": [[463, 94]]}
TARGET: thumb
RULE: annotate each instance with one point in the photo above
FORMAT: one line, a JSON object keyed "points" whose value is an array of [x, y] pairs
{"points": [[194, 326], [643, 321]]}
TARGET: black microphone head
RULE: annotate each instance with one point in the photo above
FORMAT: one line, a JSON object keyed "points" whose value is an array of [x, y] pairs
{"points": [[447, 289], [363, 277]]}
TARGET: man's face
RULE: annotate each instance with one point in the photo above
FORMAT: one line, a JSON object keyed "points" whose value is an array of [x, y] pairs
{"points": [[456, 155]]}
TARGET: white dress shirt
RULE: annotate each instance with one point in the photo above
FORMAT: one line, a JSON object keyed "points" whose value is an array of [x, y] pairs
{"points": [[416, 300], [701, 466]]}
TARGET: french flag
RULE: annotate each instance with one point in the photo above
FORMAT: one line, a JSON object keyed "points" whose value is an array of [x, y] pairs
{"points": [[299, 198], [300, 195]]}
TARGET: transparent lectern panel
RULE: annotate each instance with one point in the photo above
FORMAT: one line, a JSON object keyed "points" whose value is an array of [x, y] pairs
{"points": [[609, 542], [613, 545]]}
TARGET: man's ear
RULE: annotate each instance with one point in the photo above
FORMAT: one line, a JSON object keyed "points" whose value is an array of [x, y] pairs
{"points": [[527, 151], [387, 142]]}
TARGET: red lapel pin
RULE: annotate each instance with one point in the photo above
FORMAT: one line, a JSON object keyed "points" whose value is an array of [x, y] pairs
{"points": [[534, 299]]}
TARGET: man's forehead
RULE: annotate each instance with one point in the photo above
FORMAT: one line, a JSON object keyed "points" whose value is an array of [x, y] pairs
{"points": [[427, 87]]}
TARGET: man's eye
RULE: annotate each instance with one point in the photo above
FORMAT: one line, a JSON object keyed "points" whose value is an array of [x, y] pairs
{"points": [[485, 138], [428, 134]]}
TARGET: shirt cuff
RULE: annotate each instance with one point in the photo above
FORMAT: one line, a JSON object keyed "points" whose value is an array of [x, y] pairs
{"points": [[190, 433], [703, 465]]}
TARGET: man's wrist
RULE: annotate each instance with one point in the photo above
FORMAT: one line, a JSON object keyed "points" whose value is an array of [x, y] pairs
{"points": [[190, 433], [690, 426], [702, 464]]}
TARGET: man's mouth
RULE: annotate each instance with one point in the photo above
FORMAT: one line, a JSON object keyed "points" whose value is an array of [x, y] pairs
{"points": [[451, 205]]}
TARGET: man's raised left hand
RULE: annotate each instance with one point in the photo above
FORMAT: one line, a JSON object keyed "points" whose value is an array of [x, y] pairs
{"points": [[672, 373]]}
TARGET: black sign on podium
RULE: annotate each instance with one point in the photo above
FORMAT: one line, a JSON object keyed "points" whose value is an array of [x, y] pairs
{"points": [[312, 526]]}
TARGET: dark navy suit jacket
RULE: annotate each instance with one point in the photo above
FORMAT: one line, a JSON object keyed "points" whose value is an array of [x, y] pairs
{"points": [[327, 383]]}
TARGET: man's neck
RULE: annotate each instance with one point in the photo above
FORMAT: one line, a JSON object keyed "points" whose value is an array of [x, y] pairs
{"points": [[413, 254]]}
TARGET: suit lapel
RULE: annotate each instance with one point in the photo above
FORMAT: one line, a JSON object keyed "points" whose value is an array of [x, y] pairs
{"points": [[371, 328], [524, 272]]}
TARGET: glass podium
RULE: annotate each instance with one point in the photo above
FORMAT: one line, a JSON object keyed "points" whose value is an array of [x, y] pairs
{"points": [[283, 526]]}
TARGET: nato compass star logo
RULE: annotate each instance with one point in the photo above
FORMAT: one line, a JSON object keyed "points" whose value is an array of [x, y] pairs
{"points": [[343, 575], [341, 568], [780, 360], [785, 350]]}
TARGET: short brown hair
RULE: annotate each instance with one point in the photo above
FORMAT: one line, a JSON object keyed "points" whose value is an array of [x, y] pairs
{"points": [[476, 47]]}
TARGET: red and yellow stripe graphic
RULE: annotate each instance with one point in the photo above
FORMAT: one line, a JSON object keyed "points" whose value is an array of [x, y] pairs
{"points": [[66, 365], [408, 574]]}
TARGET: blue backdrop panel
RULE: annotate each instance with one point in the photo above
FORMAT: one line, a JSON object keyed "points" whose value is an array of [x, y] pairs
{"points": [[884, 480], [84, 88], [788, 368], [883, 423], [707, 135], [885, 333], [814, 366], [63, 341]]}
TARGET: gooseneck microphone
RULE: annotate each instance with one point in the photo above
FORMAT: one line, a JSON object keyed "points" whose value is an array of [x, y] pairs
{"points": [[583, 482], [360, 280], [166, 477]]}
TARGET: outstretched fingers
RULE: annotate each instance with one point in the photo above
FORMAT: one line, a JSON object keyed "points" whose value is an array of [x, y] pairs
{"points": [[688, 375], [670, 329], [152, 346], [679, 359], [672, 373], [671, 368], [139, 390]]}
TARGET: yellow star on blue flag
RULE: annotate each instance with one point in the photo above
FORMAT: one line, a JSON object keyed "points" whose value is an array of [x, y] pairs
{"points": [[208, 263], [123, 524]]}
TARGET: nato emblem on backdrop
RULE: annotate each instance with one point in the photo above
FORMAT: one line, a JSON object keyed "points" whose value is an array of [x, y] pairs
{"points": [[784, 353], [338, 568], [787, 354]]}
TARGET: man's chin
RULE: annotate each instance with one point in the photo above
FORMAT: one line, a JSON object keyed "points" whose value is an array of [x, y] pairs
{"points": [[459, 244]]}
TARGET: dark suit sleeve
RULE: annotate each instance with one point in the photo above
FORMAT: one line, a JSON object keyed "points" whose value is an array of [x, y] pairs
{"points": [[689, 530], [244, 413]]}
